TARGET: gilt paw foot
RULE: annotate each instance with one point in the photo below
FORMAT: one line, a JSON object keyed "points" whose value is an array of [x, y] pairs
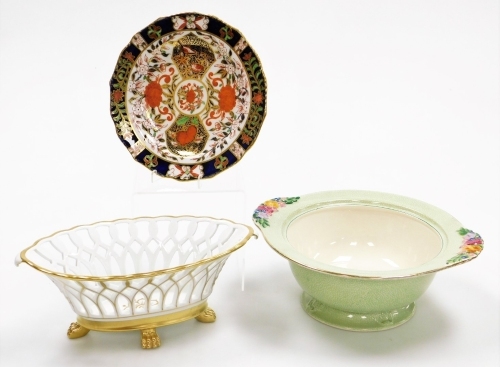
{"points": [[207, 316], [150, 339], [76, 331]]}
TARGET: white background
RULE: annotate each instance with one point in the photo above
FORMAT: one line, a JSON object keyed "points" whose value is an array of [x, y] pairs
{"points": [[395, 96]]}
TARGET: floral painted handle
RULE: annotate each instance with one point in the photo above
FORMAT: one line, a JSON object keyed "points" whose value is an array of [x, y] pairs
{"points": [[472, 245], [265, 210]]}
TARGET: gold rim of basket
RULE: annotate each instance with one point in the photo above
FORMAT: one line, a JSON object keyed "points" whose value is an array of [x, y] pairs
{"points": [[136, 275]]}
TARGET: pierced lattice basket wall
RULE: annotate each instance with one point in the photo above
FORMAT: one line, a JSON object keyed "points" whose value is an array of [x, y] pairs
{"points": [[130, 271]]}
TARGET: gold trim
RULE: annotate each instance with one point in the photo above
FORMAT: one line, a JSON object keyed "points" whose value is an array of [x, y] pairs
{"points": [[143, 323], [135, 275]]}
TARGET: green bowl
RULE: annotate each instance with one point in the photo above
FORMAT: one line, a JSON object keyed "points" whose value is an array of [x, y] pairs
{"points": [[363, 258]]}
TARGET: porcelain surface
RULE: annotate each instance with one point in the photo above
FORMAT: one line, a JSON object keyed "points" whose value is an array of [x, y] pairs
{"points": [[188, 96], [363, 258], [137, 274]]}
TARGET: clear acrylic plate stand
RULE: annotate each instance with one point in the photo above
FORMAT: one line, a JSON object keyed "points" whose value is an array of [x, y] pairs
{"points": [[219, 197]]}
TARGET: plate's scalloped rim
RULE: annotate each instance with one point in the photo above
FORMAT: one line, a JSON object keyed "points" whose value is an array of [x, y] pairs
{"points": [[257, 132]]}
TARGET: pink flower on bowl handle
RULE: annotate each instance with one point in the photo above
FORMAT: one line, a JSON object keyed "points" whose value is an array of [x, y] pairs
{"points": [[472, 245]]}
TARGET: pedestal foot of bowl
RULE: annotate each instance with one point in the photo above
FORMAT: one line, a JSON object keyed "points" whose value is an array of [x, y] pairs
{"points": [[376, 321], [76, 330], [150, 339], [207, 316]]}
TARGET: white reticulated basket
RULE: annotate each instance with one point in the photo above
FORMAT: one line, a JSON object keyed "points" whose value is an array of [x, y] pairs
{"points": [[137, 273]]}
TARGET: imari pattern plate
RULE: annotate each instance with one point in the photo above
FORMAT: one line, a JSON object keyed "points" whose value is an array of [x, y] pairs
{"points": [[188, 96]]}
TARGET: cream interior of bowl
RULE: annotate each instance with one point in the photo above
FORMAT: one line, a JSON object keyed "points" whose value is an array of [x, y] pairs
{"points": [[364, 237]]}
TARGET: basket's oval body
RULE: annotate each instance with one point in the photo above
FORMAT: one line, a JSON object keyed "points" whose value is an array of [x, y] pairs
{"points": [[138, 273], [154, 295]]}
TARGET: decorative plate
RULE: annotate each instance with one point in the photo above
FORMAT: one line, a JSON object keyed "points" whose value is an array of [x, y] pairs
{"points": [[188, 96]]}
